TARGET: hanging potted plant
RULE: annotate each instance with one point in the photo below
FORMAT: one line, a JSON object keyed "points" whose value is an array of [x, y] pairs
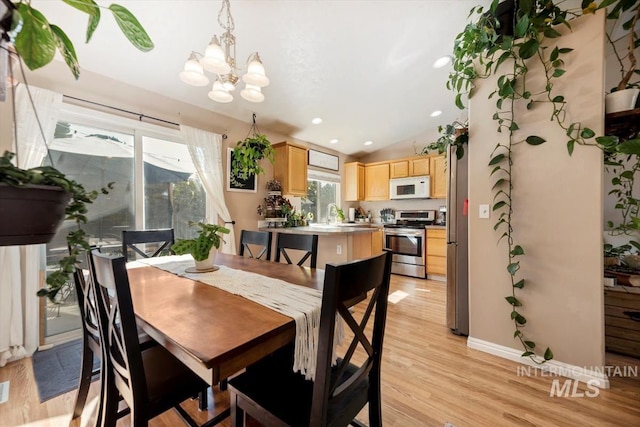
{"points": [[33, 202], [248, 153], [203, 248], [625, 94]]}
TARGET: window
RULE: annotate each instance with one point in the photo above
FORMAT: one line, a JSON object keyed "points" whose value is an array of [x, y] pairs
{"points": [[155, 186], [322, 190]]}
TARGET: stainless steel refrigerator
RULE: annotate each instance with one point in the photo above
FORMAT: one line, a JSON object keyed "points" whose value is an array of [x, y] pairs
{"points": [[457, 244]]}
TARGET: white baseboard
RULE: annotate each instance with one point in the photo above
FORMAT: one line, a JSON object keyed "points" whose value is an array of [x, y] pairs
{"points": [[596, 377]]}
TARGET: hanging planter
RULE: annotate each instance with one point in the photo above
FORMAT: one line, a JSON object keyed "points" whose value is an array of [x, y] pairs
{"points": [[248, 153], [31, 214]]}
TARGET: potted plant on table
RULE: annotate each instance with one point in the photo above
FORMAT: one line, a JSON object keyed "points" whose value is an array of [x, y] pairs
{"points": [[202, 248], [28, 196]]}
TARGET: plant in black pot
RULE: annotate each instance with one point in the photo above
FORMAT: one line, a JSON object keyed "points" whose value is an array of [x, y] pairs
{"points": [[33, 202]]}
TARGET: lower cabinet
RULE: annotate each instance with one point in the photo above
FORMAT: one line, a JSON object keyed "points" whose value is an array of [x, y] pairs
{"points": [[437, 251], [622, 320]]}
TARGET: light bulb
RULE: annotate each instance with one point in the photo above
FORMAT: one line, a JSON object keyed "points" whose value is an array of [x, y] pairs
{"points": [[214, 58], [252, 93], [219, 94], [193, 74], [255, 72]]}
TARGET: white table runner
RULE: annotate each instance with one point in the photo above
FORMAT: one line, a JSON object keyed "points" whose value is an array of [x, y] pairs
{"points": [[298, 302]]}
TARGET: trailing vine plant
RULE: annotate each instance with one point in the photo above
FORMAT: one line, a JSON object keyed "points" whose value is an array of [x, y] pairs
{"points": [[485, 49]]}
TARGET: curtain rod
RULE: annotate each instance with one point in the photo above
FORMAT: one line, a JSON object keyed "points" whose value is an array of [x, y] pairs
{"points": [[140, 115]]}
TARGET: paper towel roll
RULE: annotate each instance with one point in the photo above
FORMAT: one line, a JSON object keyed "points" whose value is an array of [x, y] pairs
{"points": [[352, 214]]}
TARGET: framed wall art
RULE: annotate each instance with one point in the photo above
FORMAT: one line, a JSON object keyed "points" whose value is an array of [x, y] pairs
{"points": [[237, 182]]}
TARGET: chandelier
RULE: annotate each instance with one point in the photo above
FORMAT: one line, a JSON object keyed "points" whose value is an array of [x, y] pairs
{"points": [[220, 58]]}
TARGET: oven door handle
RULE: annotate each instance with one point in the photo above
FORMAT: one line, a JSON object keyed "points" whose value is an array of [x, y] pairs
{"points": [[403, 233]]}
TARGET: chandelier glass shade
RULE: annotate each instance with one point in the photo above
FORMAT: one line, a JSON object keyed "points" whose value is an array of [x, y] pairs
{"points": [[220, 59]]}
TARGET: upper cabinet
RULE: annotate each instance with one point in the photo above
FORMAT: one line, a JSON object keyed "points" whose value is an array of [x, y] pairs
{"points": [[376, 181], [290, 168], [409, 167], [354, 182], [438, 169]]}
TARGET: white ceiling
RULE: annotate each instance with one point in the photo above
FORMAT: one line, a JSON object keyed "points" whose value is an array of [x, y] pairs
{"points": [[364, 67]]}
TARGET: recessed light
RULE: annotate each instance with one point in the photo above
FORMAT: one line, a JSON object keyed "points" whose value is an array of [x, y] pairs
{"points": [[333, 141], [441, 62], [316, 121], [436, 113], [368, 142]]}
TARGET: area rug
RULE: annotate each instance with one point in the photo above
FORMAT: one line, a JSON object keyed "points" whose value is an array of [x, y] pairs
{"points": [[57, 370]]}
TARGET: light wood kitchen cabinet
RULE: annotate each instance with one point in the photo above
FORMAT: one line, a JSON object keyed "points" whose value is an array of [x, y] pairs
{"points": [[354, 181], [290, 168], [376, 242], [376, 181], [409, 167], [419, 166], [438, 174], [399, 169], [437, 251]]}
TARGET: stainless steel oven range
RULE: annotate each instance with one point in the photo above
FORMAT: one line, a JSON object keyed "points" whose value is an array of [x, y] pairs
{"points": [[407, 241]]}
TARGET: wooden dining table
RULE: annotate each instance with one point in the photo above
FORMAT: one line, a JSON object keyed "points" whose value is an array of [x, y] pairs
{"points": [[214, 332]]}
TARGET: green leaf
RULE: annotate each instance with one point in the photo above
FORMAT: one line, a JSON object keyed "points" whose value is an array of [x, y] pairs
{"points": [[513, 127], [528, 49], [498, 224], [631, 146], [535, 140], [131, 28], [66, 49], [496, 169], [520, 320], [558, 72], [499, 205], [459, 103], [566, 49], [519, 284], [587, 133], [513, 301], [35, 43], [496, 159], [570, 146], [551, 33], [514, 314], [517, 333], [527, 354], [513, 268], [87, 6], [499, 183], [554, 54], [517, 250], [548, 354], [530, 344], [522, 25], [558, 98]]}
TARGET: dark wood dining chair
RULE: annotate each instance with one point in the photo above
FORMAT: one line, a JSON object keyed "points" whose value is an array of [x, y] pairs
{"points": [[161, 238], [339, 392], [151, 381], [257, 238], [301, 242]]}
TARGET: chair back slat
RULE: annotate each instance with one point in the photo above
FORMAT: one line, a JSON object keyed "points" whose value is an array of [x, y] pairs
{"points": [[301, 242], [256, 238], [343, 283], [118, 326], [162, 238]]}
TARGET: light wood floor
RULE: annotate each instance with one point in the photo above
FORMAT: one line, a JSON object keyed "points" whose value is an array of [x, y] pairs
{"points": [[429, 378]]}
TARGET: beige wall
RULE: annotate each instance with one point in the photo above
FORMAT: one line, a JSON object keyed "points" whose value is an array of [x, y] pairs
{"points": [[557, 216], [100, 89]]}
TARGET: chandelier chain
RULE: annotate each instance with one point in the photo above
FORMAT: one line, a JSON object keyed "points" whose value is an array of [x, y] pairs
{"points": [[226, 9]]}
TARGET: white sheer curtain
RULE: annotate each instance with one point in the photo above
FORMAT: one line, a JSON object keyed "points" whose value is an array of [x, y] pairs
{"points": [[206, 152], [20, 265]]}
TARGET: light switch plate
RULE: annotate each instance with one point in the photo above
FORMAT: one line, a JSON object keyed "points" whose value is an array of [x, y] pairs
{"points": [[483, 212]]}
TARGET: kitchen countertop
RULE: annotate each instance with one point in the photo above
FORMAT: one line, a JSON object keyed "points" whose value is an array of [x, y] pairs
{"points": [[436, 227], [323, 230]]}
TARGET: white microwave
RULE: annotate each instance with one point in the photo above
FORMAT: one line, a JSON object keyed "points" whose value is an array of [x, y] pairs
{"points": [[415, 187]]}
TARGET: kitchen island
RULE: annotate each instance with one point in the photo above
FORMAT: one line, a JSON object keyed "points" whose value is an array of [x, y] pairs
{"points": [[337, 243]]}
